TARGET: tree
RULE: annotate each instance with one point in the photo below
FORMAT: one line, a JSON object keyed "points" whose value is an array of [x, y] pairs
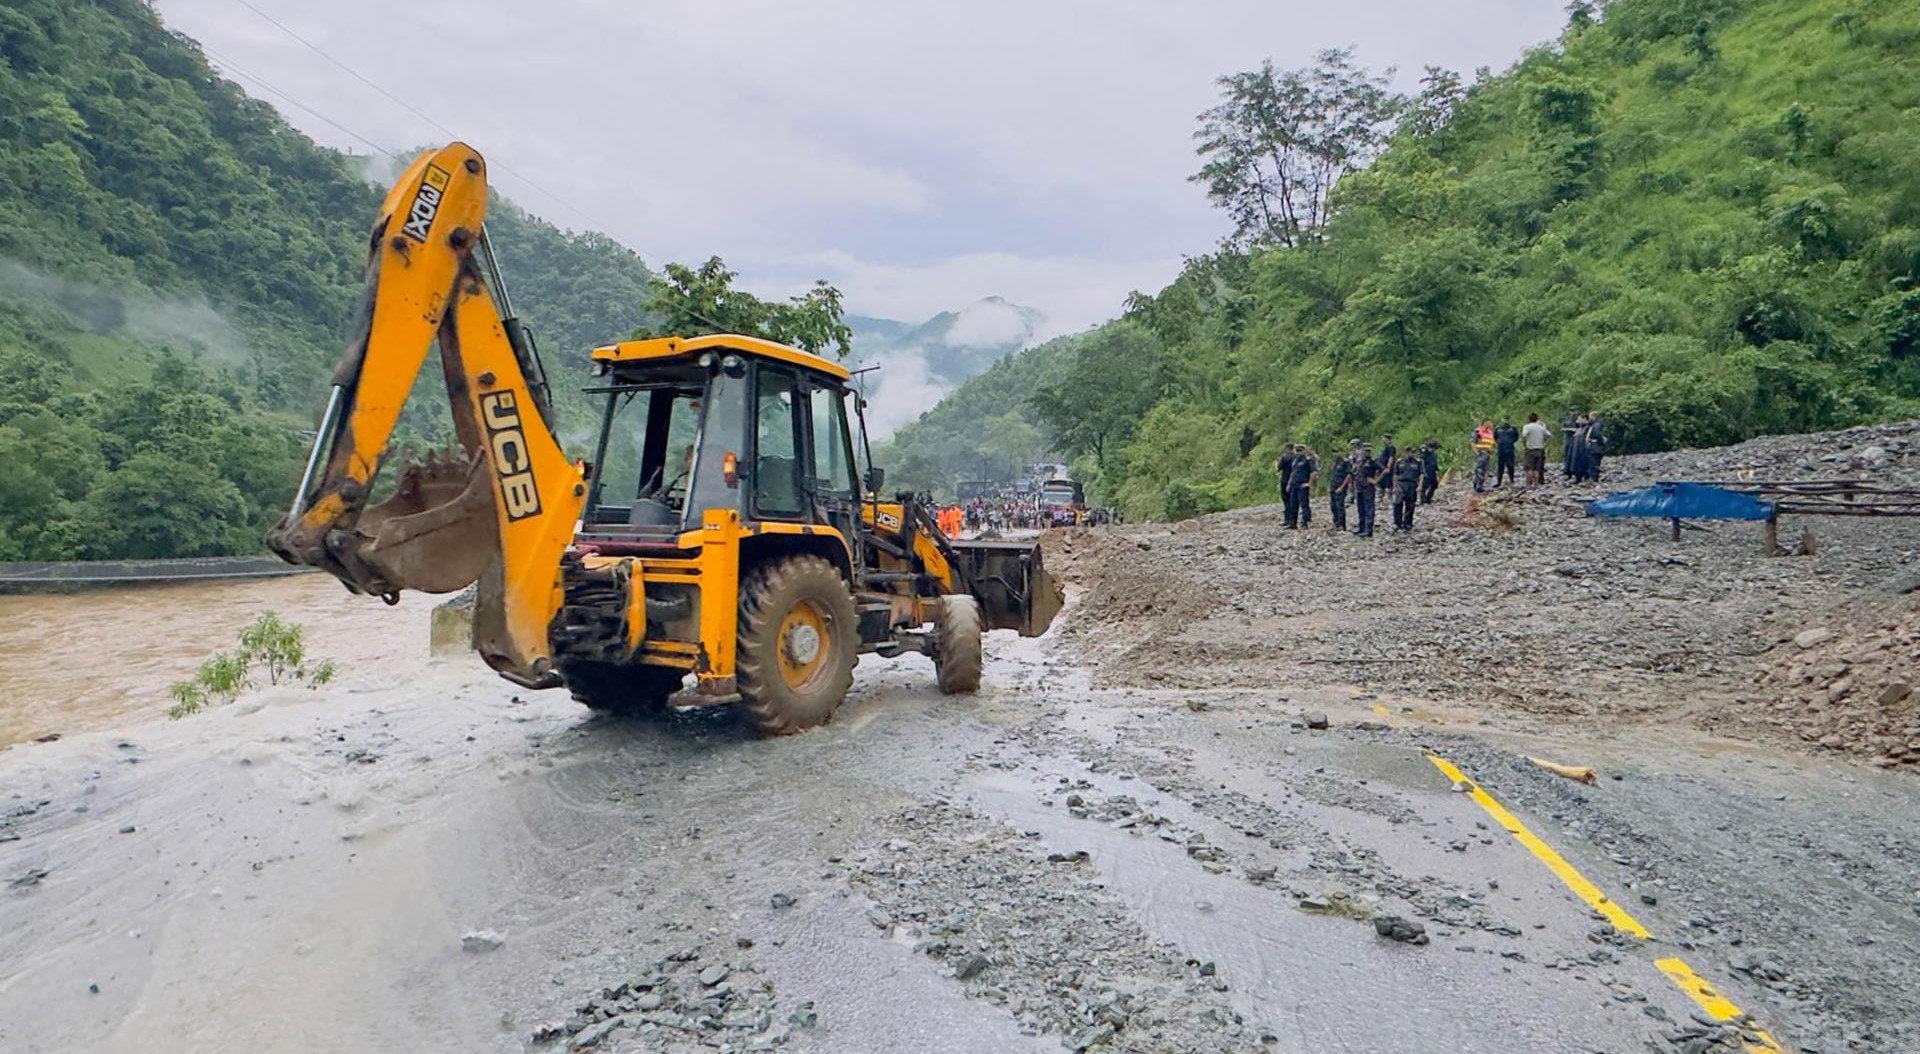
{"points": [[153, 507], [1279, 140], [1429, 112], [1109, 382], [688, 300]]}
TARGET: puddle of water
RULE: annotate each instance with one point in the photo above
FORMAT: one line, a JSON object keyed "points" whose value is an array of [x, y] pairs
{"points": [[80, 661]]}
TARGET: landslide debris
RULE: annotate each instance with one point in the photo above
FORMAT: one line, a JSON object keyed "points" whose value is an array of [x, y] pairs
{"points": [[1563, 616]]}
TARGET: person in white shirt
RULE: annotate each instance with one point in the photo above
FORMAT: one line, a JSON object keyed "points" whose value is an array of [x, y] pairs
{"points": [[1533, 435]]}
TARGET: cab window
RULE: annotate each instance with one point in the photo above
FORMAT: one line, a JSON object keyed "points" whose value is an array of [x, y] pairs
{"points": [[779, 441], [832, 457]]}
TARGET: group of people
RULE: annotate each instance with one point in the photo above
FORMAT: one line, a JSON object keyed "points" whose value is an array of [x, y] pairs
{"points": [[1409, 478], [1494, 446], [1000, 513], [1362, 477], [1586, 444]]}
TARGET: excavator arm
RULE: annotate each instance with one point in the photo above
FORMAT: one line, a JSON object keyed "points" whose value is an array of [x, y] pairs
{"points": [[499, 509]]}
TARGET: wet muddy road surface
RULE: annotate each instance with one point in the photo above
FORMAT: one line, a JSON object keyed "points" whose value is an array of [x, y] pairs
{"points": [[424, 857]]}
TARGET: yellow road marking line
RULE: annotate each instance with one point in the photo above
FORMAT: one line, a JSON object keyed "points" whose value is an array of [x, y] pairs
{"points": [[1717, 1006], [1696, 988], [1585, 890]]}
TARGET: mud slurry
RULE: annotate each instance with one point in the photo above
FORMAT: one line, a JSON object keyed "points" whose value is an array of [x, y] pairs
{"points": [[1073, 860]]}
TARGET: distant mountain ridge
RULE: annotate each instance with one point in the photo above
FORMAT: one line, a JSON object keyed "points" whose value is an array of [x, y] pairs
{"points": [[956, 345]]}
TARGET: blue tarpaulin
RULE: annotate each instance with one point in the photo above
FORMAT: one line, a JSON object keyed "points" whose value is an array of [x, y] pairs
{"points": [[1682, 501]]}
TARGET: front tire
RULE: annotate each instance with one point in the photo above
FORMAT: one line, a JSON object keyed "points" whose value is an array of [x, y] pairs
{"points": [[797, 644], [958, 654], [625, 689]]}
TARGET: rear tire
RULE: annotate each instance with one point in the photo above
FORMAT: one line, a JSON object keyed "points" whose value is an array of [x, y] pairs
{"points": [[797, 644], [958, 654], [625, 689]]}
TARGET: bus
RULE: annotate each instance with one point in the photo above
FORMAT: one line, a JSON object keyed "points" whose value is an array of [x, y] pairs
{"points": [[1062, 503]]}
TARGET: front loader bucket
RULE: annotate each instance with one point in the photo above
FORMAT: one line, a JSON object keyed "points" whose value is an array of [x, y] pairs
{"points": [[1014, 589], [437, 533]]}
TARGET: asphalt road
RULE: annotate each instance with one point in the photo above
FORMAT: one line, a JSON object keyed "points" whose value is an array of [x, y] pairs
{"points": [[297, 874]]}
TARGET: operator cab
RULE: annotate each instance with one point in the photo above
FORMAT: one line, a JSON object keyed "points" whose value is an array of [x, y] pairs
{"points": [[718, 422]]}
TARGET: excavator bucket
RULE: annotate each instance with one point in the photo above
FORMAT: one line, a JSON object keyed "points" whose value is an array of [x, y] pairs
{"points": [[437, 533], [1013, 587]]}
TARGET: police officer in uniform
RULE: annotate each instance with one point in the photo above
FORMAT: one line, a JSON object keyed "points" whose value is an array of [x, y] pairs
{"points": [[1339, 482], [1300, 484], [1285, 468], [1367, 478], [1429, 470], [1406, 491], [1389, 456]]}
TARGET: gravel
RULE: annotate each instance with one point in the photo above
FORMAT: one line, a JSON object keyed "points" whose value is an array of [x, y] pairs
{"points": [[1563, 617], [680, 1004], [1046, 943]]}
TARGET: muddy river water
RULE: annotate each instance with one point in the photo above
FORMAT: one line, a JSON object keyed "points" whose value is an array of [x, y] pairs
{"points": [[80, 661]]}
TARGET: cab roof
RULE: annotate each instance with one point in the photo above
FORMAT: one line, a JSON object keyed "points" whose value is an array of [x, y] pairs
{"points": [[660, 348]]}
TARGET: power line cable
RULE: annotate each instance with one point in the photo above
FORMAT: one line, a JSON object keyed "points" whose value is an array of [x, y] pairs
{"points": [[234, 67], [410, 108]]}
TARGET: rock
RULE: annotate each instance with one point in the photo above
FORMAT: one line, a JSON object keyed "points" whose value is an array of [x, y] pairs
{"points": [[1895, 693], [593, 1034], [1371, 726], [1395, 928], [1208, 969], [648, 1001], [1198, 705], [1092, 1038], [713, 975], [1872, 455], [1315, 904], [1317, 719], [880, 919], [971, 966], [1649, 899], [128, 829], [782, 900], [482, 941], [1813, 638]]}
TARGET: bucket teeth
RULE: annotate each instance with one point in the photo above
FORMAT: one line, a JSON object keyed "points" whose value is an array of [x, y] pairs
{"points": [[440, 465]]}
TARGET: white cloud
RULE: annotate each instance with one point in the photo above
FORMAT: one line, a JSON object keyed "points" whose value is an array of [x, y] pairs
{"points": [[1034, 150], [1071, 292], [899, 390], [989, 322]]}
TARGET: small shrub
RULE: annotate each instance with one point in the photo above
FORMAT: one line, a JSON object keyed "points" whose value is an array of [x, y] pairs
{"points": [[279, 646], [269, 643]]}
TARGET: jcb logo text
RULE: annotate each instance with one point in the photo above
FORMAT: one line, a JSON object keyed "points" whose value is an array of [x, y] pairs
{"points": [[507, 445]]}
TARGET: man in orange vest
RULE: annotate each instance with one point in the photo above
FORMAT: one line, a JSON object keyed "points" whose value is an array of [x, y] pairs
{"points": [[1483, 444]]}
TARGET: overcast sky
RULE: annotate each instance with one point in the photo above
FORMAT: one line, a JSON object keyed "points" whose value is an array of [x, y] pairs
{"points": [[919, 155]]}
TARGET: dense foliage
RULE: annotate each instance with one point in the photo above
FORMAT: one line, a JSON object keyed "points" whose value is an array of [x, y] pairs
{"points": [[703, 300], [177, 268], [1698, 217]]}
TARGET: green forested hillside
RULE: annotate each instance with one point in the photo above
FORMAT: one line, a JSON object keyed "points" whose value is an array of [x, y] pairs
{"points": [[981, 431], [1699, 217], [177, 270]]}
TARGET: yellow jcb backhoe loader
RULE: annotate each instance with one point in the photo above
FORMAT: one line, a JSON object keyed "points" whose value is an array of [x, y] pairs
{"points": [[720, 530]]}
